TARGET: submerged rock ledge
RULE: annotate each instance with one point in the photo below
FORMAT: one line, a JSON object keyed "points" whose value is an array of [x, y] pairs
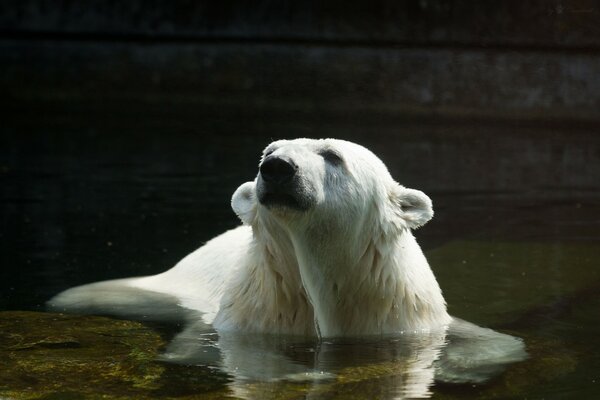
{"points": [[57, 356]]}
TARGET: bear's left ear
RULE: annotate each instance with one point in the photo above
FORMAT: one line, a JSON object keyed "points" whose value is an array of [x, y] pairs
{"points": [[243, 202], [412, 206]]}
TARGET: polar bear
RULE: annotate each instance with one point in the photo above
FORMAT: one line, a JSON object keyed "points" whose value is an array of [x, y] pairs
{"points": [[325, 250]]}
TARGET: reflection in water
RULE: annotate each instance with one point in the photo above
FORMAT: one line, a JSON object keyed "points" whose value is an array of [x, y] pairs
{"points": [[406, 366]]}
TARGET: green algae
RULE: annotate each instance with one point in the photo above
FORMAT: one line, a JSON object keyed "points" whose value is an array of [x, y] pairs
{"points": [[55, 356]]}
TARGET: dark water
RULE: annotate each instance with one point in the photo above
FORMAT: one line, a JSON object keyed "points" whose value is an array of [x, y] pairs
{"points": [[515, 242]]}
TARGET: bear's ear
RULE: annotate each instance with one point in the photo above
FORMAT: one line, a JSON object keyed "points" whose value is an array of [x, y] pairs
{"points": [[243, 202], [412, 206]]}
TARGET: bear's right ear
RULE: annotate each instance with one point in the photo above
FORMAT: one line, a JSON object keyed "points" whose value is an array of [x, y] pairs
{"points": [[243, 202]]}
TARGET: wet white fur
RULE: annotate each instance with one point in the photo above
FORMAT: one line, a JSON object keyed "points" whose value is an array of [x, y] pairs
{"points": [[348, 266]]}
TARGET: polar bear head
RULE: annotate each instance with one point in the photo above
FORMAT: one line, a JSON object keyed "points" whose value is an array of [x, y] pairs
{"points": [[330, 221], [307, 183]]}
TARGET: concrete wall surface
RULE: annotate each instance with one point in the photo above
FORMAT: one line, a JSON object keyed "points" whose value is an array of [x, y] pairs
{"points": [[535, 60]]}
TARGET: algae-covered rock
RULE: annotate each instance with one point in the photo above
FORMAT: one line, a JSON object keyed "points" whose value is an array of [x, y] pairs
{"points": [[55, 356], [66, 355]]}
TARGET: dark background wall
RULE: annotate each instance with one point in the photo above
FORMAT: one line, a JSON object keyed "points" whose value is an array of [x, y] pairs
{"points": [[533, 60]]}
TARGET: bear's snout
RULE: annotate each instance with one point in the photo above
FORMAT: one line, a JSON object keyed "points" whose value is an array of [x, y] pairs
{"points": [[277, 170], [278, 184]]}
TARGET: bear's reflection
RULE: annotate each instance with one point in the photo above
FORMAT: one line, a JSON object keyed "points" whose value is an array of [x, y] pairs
{"points": [[405, 365]]}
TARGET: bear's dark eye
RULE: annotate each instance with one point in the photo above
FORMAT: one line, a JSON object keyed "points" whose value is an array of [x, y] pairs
{"points": [[269, 152], [331, 157]]}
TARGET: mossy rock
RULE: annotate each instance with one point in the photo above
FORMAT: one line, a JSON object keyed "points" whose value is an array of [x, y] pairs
{"points": [[56, 356]]}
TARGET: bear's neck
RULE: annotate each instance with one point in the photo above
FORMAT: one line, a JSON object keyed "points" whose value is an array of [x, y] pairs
{"points": [[373, 288], [268, 296]]}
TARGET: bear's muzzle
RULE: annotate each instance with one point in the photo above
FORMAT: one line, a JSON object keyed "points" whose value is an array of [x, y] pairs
{"points": [[278, 184]]}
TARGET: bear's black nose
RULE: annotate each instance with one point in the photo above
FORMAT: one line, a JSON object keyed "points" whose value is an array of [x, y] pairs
{"points": [[277, 170]]}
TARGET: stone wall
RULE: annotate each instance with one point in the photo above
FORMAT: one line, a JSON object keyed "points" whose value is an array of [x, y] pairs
{"points": [[518, 60]]}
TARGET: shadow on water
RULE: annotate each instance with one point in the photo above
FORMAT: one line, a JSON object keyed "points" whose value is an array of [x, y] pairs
{"points": [[514, 243]]}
